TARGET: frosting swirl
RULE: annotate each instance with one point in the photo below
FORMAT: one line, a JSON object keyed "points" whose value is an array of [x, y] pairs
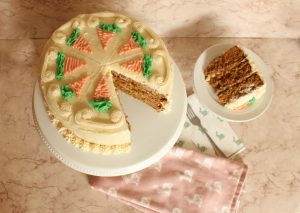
{"points": [[59, 37], [115, 116]]}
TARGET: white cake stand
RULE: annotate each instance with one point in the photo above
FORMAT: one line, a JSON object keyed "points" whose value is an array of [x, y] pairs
{"points": [[153, 135]]}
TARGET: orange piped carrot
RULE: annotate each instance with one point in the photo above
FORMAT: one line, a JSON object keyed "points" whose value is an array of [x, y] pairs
{"points": [[77, 86], [105, 37], [102, 90], [73, 64], [131, 45], [135, 65], [82, 45]]}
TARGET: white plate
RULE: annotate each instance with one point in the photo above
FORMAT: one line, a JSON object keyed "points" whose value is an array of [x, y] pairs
{"points": [[208, 98], [153, 135]]}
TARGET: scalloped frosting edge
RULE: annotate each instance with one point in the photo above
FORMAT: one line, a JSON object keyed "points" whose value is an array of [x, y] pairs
{"points": [[84, 145]]}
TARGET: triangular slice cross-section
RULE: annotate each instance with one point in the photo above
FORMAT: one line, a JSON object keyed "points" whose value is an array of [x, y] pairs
{"points": [[82, 45], [102, 90], [105, 117], [77, 86], [130, 46], [105, 37], [73, 64], [135, 65]]}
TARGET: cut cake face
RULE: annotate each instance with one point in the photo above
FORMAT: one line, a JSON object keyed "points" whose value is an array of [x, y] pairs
{"points": [[86, 61], [234, 79]]}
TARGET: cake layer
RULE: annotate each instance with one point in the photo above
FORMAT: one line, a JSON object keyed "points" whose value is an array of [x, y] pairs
{"points": [[158, 101], [240, 89], [229, 77], [226, 61]]}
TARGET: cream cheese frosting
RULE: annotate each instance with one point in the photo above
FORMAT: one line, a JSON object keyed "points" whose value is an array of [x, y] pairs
{"points": [[79, 54]]}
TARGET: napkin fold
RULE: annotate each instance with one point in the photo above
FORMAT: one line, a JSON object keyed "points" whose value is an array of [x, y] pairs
{"points": [[182, 181]]}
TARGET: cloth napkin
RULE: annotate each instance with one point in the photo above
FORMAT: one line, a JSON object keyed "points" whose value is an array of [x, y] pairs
{"points": [[182, 181], [189, 178], [219, 130]]}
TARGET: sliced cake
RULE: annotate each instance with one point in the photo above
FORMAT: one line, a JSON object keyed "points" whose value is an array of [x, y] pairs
{"points": [[234, 79], [84, 64]]}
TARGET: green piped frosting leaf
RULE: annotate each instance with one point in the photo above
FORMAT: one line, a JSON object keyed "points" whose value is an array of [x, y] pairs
{"points": [[101, 104], [73, 37], [110, 27], [139, 39], [67, 92], [60, 65], [251, 101], [147, 65]]}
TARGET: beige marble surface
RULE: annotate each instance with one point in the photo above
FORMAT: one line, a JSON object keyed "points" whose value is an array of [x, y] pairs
{"points": [[173, 18], [32, 180]]}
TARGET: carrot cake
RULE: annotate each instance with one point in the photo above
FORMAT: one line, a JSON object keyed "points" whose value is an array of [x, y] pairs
{"points": [[84, 64], [234, 79]]}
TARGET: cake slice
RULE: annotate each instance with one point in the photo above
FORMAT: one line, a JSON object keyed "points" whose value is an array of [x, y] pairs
{"points": [[85, 107], [234, 79]]}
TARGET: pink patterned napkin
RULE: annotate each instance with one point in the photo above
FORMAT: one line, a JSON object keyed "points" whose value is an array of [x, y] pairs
{"points": [[182, 181]]}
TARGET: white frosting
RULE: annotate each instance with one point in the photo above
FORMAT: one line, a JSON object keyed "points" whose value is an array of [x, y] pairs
{"points": [[48, 75], [257, 93], [77, 115], [59, 37], [66, 108], [78, 23], [116, 116]]}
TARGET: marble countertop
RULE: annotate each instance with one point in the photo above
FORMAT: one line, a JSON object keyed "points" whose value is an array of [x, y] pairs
{"points": [[33, 180]]}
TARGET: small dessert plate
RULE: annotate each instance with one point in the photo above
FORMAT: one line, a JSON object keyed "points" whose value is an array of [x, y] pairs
{"points": [[207, 96]]}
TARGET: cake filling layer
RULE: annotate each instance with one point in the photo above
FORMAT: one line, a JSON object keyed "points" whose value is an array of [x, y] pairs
{"points": [[140, 91], [227, 61], [244, 87]]}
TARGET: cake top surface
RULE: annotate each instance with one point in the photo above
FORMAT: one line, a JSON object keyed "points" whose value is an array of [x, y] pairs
{"points": [[77, 62]]}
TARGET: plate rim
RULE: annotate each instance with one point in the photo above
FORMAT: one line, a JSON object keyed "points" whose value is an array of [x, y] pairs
{"points": [[199, 80], [154, 157]]}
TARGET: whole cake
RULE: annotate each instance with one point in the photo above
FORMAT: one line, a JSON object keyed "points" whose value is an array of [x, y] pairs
{"points": [[86, 61], [234, 79]]}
